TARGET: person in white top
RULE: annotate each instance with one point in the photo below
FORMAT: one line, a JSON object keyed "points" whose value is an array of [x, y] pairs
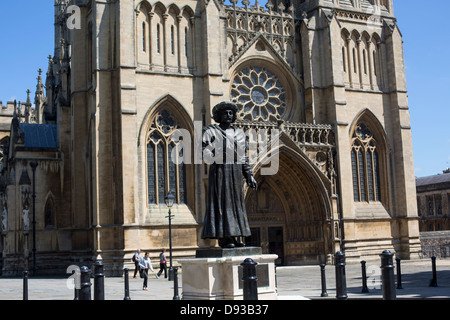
{"points": [[145, 263]]}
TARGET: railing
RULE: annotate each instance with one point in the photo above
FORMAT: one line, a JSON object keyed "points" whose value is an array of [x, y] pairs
{"points": [[317, 141], [303, 134]]}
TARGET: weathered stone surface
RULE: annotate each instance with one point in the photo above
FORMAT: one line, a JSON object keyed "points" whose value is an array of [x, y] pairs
{"points": [[223, 252]]}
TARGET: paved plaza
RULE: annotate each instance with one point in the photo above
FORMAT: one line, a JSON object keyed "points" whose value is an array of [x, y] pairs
{"points": [[294, 283]]}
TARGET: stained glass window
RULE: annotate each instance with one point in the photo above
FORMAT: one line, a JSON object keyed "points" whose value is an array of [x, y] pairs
{"points": [[355, 176], [365, 166], [161, 172], [362, 175], [377, 175], [370, 181], [164, 175], [151, 174]]}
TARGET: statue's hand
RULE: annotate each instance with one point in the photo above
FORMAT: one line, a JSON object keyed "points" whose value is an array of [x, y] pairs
{"points": [[252, 183]]}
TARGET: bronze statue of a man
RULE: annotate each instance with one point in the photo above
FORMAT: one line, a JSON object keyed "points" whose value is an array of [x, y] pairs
{"points": [[226, 150]]}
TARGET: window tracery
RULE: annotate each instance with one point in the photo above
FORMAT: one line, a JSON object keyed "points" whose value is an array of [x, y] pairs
{"points": [[259, 94], [163, 174], [365, 165]]}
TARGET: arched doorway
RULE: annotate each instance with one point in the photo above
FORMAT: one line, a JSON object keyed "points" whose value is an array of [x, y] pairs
{"points": [[289, 213]]}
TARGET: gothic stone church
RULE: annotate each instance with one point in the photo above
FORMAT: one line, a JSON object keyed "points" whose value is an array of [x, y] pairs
{"points": [[327, 74]]}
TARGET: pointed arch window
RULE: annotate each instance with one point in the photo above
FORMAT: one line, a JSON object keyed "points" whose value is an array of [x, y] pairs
{"points": [[158, 39], [49, 213], [144, 37], [365, 165], [172, 40], [163, 174], [186, 41], [344, 61]]}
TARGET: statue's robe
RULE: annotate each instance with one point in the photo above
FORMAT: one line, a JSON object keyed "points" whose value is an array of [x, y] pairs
{"points": [[227, 154]]}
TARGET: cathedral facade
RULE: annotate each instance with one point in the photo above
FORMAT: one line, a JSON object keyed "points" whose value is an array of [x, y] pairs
{"points": [[326, 77]]}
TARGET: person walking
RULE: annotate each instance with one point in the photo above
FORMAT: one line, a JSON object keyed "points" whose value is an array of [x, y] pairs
{"points": [[145, 264], [162, 264], [136, 259]]}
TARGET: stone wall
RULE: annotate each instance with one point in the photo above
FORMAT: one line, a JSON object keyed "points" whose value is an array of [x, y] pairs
{"points": [[435, 244]]}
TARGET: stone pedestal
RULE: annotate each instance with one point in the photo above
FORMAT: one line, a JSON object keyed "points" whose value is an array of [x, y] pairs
{"points": [[217, 274]]}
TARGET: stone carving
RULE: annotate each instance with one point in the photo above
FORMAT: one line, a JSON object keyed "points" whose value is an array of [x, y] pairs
{"points": [[4, 220], [26, 218]]}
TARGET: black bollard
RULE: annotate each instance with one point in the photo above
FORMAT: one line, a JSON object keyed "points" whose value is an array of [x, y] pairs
{"points": [[250, 280], [127, 285], [387, 275], [399, 273], [341, 282], [365, 289], [175, 284], [433, 282], [324, 281], [85, 278], [99, 281], [25, 285]]}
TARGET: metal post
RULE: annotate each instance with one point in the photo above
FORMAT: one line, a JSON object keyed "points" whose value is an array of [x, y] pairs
{"points": [[25, 285], [99, 281], [85, 277], [387, 275], [34, 165], [324, 281], [175, 284], [341, 282], [127, 285], [250, 280], [399, 273], [365, 289], [170, 246], [433, 282]]}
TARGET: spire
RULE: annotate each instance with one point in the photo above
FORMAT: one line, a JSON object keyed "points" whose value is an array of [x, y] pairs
{"points": [[28, 96], [39, 99], [50, 65], [15, 109], [40, 85], [50, 74], [28, 107]]}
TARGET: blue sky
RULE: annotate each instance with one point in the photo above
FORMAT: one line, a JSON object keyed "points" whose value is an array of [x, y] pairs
{"points": [[26, 40]]}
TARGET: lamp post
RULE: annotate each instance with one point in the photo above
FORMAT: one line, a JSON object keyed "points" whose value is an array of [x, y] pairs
{"points": [[170, 200], [34, 165], [25, 185]]}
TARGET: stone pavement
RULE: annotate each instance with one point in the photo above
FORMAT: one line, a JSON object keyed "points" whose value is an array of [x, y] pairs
{"points": [[415, 278], [294, 283]]}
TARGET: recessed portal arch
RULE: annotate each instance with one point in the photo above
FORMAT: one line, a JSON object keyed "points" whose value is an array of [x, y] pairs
{"points": [[290, 213]]}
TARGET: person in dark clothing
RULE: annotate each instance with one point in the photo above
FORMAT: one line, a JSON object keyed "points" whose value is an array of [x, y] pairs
{"points": [[162, 264], [136, 258]]}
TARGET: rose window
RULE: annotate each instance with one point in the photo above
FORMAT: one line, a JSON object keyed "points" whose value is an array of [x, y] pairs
{"points": [[259, 95]]}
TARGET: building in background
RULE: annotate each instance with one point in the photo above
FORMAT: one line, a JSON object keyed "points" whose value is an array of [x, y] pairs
{"points": [[327, 75], [433, 202]]}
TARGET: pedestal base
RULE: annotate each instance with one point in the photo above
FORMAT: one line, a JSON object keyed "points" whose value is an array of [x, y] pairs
{"points": [[224, 252], [220, 277]]}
